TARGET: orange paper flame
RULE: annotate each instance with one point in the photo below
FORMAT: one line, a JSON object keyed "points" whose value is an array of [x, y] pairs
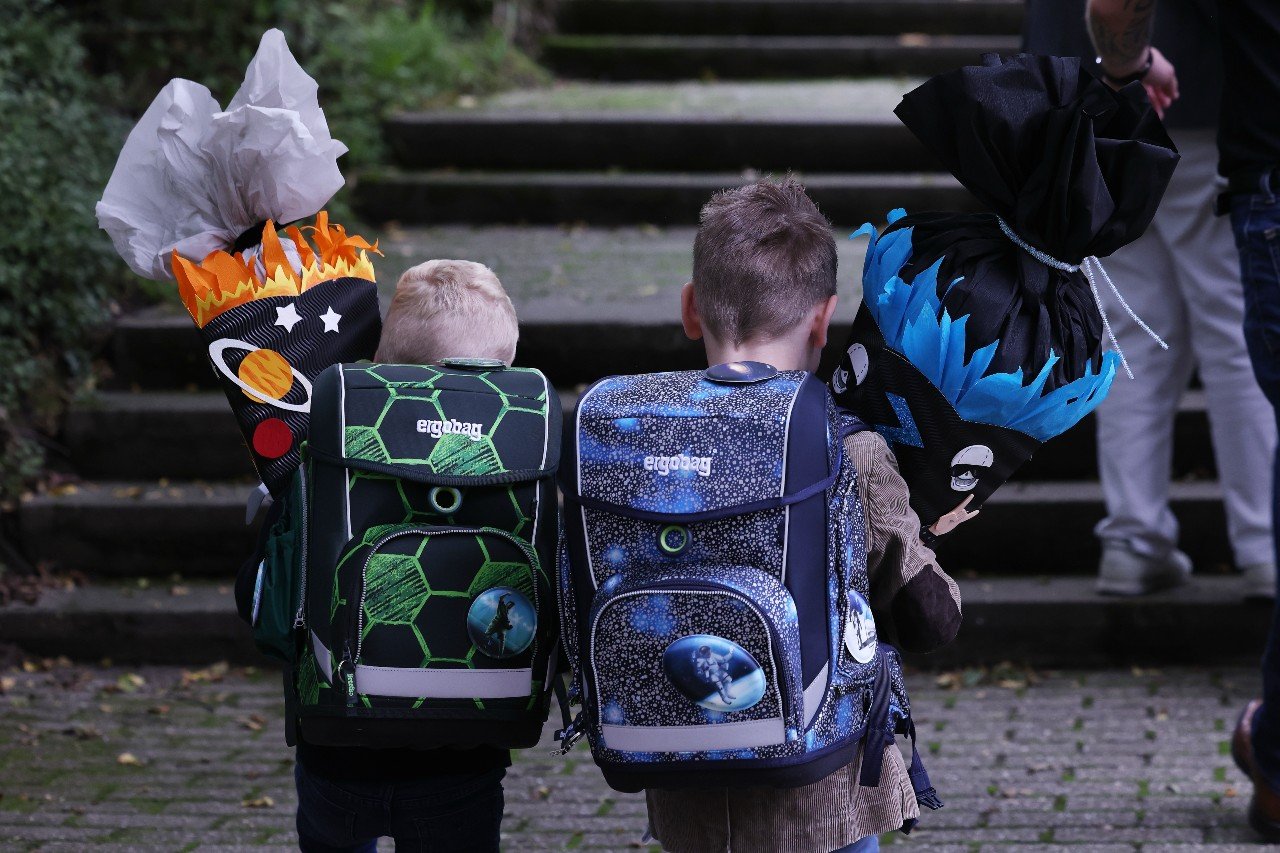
{"points": [[224, 280]]}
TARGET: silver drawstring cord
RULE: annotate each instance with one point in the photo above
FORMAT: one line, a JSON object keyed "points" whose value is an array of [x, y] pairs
{"points": [[1088, 265]]}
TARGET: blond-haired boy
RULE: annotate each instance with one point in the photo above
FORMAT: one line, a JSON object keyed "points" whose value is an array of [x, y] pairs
{"points": [[445, 308], [439, 799]]}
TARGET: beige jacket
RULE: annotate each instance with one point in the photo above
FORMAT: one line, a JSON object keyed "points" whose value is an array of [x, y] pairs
{"points": [[836, 811]]}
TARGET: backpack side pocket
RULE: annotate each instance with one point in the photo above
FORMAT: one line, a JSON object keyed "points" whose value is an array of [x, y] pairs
{"points": [[277, 588]]}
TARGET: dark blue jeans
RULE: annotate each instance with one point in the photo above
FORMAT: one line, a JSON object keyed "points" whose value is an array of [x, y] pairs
{"points": [[441, 814], [1256, 222]]}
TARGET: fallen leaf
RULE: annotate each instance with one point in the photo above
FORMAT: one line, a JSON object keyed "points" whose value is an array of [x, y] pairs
{"points": [[178, 589], [208, 675], [158, 710], [7, 683], [253, 722], [263, 802], [542, 792], [128, 759], [130, 682]]}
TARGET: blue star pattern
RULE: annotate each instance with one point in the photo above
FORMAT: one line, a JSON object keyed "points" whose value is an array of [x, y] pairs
{"points": [[726, 588]]}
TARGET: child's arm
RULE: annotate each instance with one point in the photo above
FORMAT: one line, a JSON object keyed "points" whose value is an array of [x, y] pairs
{"points": [[908, 588]]}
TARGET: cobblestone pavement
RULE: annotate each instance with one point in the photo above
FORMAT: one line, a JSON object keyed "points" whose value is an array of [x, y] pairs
{"points": [[172, 759]]}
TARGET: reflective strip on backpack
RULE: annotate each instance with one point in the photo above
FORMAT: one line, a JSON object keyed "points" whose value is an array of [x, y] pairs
{"points": [[415, 683], [743, 735]]}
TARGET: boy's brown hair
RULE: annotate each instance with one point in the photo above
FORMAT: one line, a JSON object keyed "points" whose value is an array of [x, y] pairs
{"points": [[763, 257], [448, 308]]}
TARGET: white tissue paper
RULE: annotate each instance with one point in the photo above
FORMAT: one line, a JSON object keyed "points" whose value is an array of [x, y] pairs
{"points": [[192, 177]]}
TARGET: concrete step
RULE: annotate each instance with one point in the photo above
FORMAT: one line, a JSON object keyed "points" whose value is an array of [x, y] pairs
{"points": [[653, 142], [121, 435], [180, 435], [1047, 528], [132, 624], [1061, 621], [790, 17], [602, 198], [666, 57], [127, 529], [1042, 622], [197, 530]]}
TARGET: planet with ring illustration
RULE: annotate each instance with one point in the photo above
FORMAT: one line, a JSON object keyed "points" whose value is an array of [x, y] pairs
{"points": [[264, 375]]}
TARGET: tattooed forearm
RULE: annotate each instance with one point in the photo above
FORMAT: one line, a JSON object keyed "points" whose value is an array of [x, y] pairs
{"points": [[1121, 31]]}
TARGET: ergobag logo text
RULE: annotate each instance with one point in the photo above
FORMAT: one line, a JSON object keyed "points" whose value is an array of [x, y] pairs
{"points": [[664, 465], [435, 429]]}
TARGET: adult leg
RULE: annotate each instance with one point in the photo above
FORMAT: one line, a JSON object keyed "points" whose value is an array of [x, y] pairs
{"points": [[1242, 421], [1135, 423], [449, 814], [1256, 222], [334, 819]]}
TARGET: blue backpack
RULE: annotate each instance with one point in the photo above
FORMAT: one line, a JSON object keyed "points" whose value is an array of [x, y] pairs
{"points": [[713, 585]]}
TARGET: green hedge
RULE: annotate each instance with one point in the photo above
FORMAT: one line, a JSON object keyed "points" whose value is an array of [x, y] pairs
{"points": [[74, 75], [370, 56], [58, 273]]}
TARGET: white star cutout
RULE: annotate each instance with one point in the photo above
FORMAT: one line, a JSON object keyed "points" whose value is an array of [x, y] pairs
{"points": [[331, 319], [288, 317]]}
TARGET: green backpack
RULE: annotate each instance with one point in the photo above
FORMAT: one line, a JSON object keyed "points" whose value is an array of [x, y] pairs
{"points": [[407, 580]]}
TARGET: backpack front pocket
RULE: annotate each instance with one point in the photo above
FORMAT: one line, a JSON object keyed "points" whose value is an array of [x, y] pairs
{"points": [[684, 663], [427, 612]]}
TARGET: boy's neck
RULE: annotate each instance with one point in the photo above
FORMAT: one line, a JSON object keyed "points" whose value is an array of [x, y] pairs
{"points": [[782, 353]]}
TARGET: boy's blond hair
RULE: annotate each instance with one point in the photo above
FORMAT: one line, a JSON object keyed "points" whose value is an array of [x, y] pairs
{"points": [[446, 308]]}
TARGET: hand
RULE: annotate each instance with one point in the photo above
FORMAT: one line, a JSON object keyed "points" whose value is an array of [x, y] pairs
{"points": [[954, 519], [1161, 83]]}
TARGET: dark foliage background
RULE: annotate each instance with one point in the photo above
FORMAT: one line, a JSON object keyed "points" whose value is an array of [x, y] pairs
{"points": [[73, 77]]}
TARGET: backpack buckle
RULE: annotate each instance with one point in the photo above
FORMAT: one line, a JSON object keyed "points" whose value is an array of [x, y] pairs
{"points": [[569, 736]]}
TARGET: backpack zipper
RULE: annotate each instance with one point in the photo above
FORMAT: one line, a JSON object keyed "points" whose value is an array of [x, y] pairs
{"points": [[300, 618], [709, 588], [526, 548]]}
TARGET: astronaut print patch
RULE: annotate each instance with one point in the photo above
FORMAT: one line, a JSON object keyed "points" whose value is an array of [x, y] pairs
{"points": [[860, 629], [713, 672]]}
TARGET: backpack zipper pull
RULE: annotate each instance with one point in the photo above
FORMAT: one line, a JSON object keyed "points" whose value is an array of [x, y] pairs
{"points": [[347, 672]]}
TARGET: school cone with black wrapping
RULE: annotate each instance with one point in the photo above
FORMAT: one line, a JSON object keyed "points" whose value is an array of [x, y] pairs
{"points": [[981, 335]]}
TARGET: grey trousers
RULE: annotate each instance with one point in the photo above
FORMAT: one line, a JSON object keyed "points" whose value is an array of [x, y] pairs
{"points": [[1183, 278]]}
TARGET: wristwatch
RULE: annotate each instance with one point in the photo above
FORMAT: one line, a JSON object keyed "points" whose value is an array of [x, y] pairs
{"points": [[1135, 77], [927, 536]]}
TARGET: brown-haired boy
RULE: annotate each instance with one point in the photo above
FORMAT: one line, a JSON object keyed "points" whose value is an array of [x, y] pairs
{"points": [[764, 289]]}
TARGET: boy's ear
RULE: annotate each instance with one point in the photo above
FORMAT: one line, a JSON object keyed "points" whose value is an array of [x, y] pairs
{"points": [[689, 313], [822, 322]]}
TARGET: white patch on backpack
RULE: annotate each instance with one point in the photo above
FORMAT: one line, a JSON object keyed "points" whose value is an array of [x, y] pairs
{"points": [[860, 629], [435, 429], [664, 465]]}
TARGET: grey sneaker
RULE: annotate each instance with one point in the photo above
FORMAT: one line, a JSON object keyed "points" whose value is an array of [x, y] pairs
{"points": [[1125, 572], [1259, 581]]}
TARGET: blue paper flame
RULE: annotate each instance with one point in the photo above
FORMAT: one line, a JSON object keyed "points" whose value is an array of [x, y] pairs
{"points": [[915, 324]]}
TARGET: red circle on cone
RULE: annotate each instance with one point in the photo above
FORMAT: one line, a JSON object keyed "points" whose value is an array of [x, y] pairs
{"points": [[272, 438]]}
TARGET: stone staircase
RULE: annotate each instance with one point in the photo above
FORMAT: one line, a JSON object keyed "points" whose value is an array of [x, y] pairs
{"points": [[582, 197]]}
